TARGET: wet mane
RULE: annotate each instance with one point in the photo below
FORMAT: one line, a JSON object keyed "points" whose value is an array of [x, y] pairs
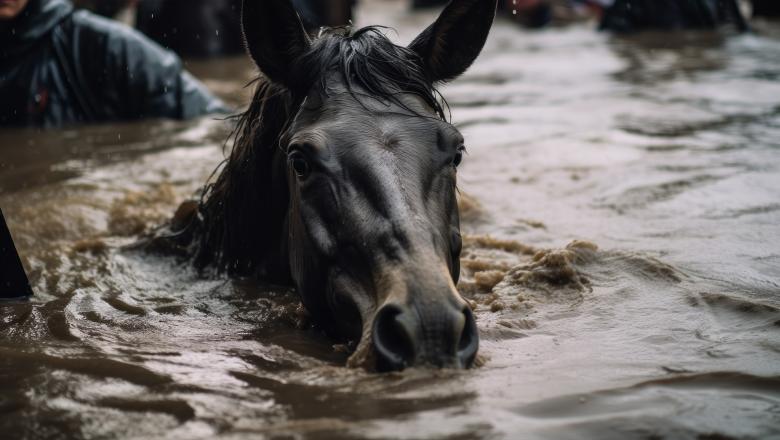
{"points": [[240, 226]]}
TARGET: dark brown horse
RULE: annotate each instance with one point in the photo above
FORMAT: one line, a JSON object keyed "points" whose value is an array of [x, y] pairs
{"points": [[342, 182]]}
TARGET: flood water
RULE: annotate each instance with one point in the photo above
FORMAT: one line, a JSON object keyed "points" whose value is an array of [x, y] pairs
{"points": [[622, 252]]}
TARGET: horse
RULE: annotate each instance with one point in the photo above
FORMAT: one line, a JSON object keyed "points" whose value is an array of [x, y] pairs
{"points": [[341, 182]]}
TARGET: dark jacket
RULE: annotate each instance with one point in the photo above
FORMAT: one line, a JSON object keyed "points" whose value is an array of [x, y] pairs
{"points": [[60, 67]]}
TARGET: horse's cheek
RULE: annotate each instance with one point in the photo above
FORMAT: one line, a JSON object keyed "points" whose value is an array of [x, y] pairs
{"points": [[319, 238]]}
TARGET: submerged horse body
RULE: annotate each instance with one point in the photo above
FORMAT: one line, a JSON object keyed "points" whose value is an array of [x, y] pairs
{"points": [[342, 182]]}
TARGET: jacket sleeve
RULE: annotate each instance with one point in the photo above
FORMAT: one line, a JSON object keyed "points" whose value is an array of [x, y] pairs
{"points": [[138, 78]]}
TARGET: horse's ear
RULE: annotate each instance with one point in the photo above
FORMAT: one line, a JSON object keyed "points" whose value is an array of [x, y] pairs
{"points": [[449, 46], [274, 37]]}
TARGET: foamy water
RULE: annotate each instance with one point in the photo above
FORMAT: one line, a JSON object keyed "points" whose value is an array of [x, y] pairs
{"points": [[621, 253]]}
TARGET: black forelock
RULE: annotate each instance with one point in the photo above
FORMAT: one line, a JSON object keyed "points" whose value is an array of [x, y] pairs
{"points": [[366, 59]]}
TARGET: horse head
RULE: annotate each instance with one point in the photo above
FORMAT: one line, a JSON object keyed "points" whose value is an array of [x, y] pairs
{"points": [[347, 164]]}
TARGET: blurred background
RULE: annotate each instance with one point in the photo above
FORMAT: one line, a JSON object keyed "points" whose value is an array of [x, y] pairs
{"points": [[636, 143]]}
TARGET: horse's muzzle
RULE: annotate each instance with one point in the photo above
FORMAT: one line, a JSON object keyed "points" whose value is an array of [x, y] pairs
{"points": [[438, 335]]}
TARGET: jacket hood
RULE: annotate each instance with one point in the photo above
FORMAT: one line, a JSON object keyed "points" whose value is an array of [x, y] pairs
{"points": [[37, 19]]}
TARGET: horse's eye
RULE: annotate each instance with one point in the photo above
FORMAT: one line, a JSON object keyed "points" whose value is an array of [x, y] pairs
{"points": [[299, 164], [458, 157]]}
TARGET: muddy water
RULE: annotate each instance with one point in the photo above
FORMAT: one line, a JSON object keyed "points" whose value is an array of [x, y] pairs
{"points": [[622, 255]]}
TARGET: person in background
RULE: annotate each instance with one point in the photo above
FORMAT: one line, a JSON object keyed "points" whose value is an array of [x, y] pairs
{"points": [[59, 66], [766, 8], [210, 28], [193, 28], [628, 15], [532, 14], [324, 13], [637, 15]]}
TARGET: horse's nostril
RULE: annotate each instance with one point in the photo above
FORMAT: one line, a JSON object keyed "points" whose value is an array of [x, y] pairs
{"points": [[394, 338], [468, 344], [444, 337]]}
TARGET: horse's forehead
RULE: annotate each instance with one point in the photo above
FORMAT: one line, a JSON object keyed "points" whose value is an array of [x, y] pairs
{"points": [[386, 129], [341, 115]]}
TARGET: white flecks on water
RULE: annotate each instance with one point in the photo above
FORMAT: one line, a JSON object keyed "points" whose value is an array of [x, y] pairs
{"points": [[620, 223]]}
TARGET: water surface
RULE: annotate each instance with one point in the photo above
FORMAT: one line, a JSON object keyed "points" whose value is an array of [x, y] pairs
{"points": [[622, 254]]}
